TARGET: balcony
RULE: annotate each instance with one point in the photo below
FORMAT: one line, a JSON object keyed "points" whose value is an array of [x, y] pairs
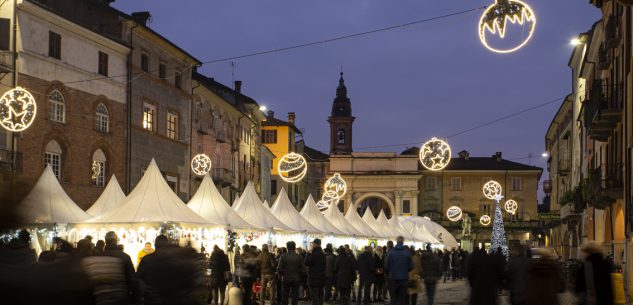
{"points": [[612, 180], [603, 109], [221, 137], [6, 61], [568, 210], [223, 176], [10, 161], [564, 165], [604, 58]]}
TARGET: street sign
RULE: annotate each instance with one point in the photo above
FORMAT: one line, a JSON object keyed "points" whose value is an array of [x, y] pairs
{"points": [[548, 216]]}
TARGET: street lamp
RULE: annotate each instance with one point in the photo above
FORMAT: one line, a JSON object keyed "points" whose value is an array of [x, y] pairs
{"points": [[263, 108], [575, 41], [545, 155]]}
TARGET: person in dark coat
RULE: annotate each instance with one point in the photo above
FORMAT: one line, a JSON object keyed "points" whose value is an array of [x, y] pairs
{"points": [[172, 275], [267, 268], [291, 268], [316, 262], [246, 267], [484, 277], [123, 289], [366, 272], [345, 269], [593, 278], [330, 276], [379, 278], [398, 265], [515, 275], [446, 264], [431, 273], [219, 265], [544, 280]]}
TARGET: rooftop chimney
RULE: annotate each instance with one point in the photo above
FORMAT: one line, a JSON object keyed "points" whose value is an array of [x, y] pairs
{"points": [[141, 17], [291, 118], [238, 86], [464, 155], [271, 114], [497, 156]]}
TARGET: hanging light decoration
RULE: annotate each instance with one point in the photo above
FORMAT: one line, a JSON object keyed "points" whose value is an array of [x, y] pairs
{"points": [[454, 213], [435, 154], [292, 167], [201, 164], [511, 206], [17, 109], [492, 189], [499, 16], [485, 220]]}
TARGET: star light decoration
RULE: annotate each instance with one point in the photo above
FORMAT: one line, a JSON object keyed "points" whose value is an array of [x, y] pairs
{"points": [[495, 21], [492, 190], [511, 206], [292, 167], [485, 220], [201, 164], [454, 213], [435, 154], [17, 109], [334, 189]]}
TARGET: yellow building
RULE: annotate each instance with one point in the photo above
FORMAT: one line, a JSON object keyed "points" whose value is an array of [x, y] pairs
{"points": [[280, 138]]}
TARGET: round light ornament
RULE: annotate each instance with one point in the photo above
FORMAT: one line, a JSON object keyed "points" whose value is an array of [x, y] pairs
{"points": [[492, 189], [201, 164], [330, 197], [17, 109], [511, 206], [322, 206], [435, 154], [504, 15], [485, 220], [292, 167], [336, 184], [454, 213]]}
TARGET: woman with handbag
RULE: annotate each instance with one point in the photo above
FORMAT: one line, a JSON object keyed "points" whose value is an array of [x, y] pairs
{"points": [[220, 275]]}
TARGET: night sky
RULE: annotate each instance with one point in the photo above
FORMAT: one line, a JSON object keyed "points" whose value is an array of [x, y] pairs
{"points": [[406, 85]]}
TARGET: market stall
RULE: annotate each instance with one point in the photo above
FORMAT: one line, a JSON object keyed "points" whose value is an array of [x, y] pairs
{"points": [[109, 200], [312, 214], [285, 211]]}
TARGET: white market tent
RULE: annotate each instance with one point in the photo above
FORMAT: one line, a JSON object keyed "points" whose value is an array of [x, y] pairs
{"points": [[433, 229], [354, 219], [312, 214], [252, 210], [48, 203], [266, 205], [285, 211], [151, 201], [445, 237], [384, 223], [208, 203], [109, 200], [393, 222], [369, 219], [337, 219], [417, 231]]}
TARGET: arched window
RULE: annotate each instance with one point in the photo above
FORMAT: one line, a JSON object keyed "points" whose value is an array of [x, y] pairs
{"points": [[98, 168], [56, 107], [102, 118], [340, 135], [53, 156]]}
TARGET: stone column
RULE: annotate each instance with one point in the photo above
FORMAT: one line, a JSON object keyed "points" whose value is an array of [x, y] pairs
{"points": [[398, 202]]}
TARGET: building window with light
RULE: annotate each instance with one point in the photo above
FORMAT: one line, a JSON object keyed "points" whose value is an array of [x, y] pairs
{"points": [[53, 157], [516, 184], [484, 209], [172, 125], [456, 183], [56, 107], [102, 118], [149, 116], [98, 168]]}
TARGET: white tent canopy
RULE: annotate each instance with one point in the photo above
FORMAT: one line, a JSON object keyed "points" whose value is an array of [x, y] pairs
{"points": [[48, 203], [354, 219], [393, 222], [312, 214], [266, 205], [369, 219], [384, 223], [431, 230], [252, 210], [151, 201], [337, 219], [109, 200], [208, 203], [285, 211], [445, 237]]}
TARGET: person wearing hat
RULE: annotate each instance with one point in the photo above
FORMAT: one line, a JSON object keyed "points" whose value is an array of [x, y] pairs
{"points": [[593, 278]]}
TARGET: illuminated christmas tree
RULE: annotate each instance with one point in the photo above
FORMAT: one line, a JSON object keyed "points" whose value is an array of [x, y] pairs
{"points": [[499, 232]]}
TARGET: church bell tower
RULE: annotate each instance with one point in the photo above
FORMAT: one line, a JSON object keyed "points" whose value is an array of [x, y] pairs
{"points": [[341, 121]]}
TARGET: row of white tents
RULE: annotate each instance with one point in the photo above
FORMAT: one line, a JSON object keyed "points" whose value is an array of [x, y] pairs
{"points": [[153, 208]]}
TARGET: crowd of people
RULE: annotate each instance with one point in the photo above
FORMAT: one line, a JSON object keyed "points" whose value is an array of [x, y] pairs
{"points": [[102, 273]]}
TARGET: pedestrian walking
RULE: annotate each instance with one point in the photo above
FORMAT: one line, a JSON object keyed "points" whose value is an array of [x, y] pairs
{"points": [[345, 269], [379, 278], [544, 280], [122, 287], [246, 272], [516, 275], [593, 278], [316, 263], [291, 268], [456, 265], [446, 264], [431, 273], [267, 268], [484, 277], [366, 275], [220, 275], [398, 265], [330, 275], [415, 286]]}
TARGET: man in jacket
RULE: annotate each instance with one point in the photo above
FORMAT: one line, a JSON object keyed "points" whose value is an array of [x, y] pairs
{"points": [[330, 276], [267, 264], [246, 268], [431, 273], [316, 262], [125, 289], [366, 272], [515, 274], [398, 265], [291, 267], [345, 269]]}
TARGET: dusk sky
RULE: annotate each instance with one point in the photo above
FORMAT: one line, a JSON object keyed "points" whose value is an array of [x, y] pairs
{"points": [[406, 85]]}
